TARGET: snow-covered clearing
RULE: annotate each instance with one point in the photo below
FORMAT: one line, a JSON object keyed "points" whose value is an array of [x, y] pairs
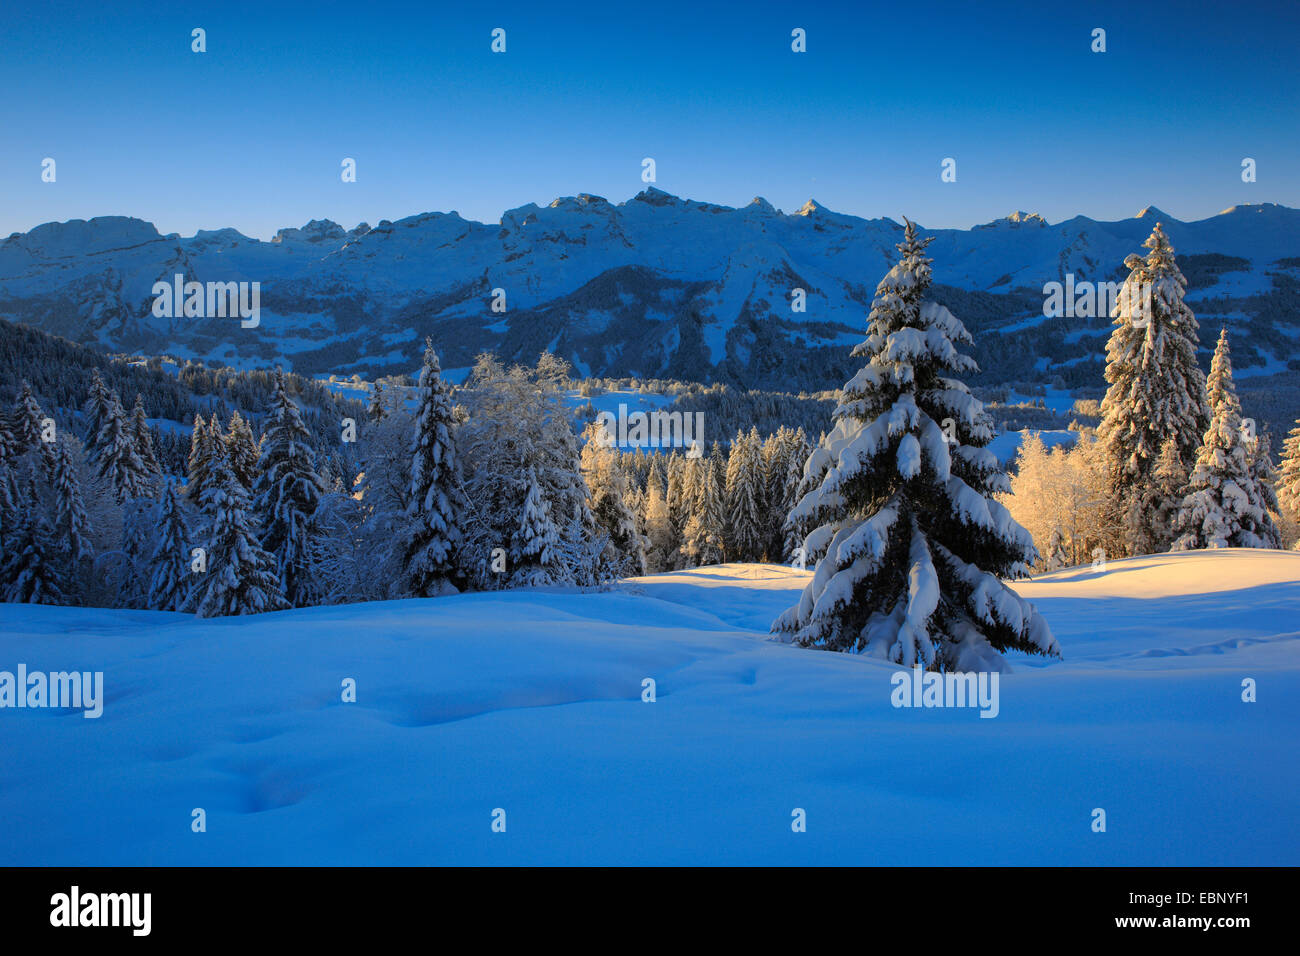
{"points": [[531, 702]]}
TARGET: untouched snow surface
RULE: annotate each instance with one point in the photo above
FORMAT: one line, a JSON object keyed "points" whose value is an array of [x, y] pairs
{"points": [[531, 702]]}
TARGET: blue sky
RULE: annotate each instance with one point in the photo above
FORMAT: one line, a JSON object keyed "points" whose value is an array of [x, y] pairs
{"points": [[251, 134]]}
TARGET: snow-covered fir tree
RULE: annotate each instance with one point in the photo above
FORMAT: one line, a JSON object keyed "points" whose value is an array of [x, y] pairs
{"points": [[377, 410], [200, 454], [1224, 506], [142, 435], [8, 438], [241, 446], [1264, 474], [678, 496], [170, 572], [435, 504], [1156, 393], [915, 545], [71, 528], [29, 422], [98, 405], [785, 471], [287, 493], [535, 546], [117, 461], [1167, 489], [9, 518], [30, 572], [240, 576], [704, 537], [744, 497]]}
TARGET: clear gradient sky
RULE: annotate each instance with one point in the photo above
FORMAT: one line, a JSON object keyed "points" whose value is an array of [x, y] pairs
{"points": [[251, 133]]}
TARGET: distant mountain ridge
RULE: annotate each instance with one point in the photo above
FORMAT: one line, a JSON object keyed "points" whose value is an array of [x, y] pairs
{"points": [[654, 286]]}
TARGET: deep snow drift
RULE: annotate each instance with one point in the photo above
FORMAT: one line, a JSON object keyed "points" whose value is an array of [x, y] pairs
{"points": [[531, 702]]}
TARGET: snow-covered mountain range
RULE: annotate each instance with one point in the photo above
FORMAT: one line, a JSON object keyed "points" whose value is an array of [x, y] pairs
{"points": [[655, 286]]}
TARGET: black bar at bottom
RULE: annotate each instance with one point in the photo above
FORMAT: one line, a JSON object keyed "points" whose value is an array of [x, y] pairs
{"points": [[331, 905]]}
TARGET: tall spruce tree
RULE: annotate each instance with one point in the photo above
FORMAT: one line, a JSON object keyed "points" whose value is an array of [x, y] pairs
{"points": [[678, 496], [1224, 506], [240, 576], [242, 449], [1156, 393], [29, 421], [9, 517], [288, 493], [169, 565], [98, 404], [1168, 486], [704, 536], [200, 454], [792, 533], [118, 462], [376, 410], [744, 494], [536, 544], [142, 434], [71, 526], [435, 504], [9, 449], [31, 571], [915, 544]]}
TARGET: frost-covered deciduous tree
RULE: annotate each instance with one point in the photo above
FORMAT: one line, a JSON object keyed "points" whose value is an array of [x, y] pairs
{"points": [[517, 422], [607, 484], [1288, 487], [915, 545], [661, 543], [1156, 393], [1063, 489], [1224, 506]]}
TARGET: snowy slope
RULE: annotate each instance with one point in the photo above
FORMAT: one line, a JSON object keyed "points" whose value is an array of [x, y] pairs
{"points": [[531, 702]]}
